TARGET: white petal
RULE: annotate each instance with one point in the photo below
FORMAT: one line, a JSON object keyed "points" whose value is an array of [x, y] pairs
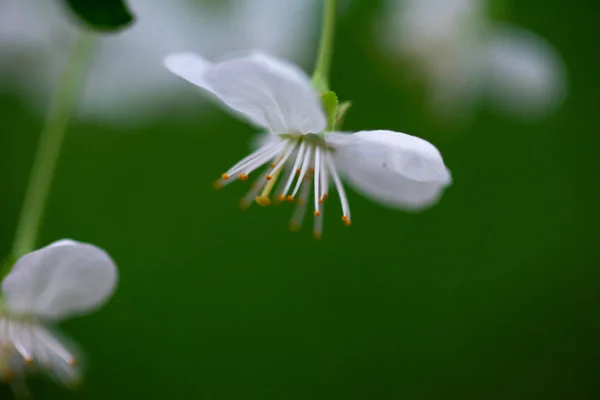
{"points": [[63, 279], [394, 168], [271, 93], [524, 74]]}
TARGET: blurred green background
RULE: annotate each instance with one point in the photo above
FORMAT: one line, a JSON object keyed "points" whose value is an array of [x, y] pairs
{"points": [[492, 294]]}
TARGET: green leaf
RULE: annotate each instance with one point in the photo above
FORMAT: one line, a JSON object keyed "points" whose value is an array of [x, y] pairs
{"points": [[341, 113], [319, 83], [101, 15], [330, 103]]}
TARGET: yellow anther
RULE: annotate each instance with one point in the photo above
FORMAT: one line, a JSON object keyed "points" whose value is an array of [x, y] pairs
{"points": [[263, 201], [244, 177], [225, 177]]}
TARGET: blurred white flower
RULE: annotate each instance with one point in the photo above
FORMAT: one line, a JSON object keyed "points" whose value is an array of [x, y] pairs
{"points": [[126, 83], [61, 280], [393, 168], [466, 57]]}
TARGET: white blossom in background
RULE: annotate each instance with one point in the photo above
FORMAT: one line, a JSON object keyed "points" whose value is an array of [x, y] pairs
{"points": [[465, 57], [127, 83], [61, 280], [395, 169]]}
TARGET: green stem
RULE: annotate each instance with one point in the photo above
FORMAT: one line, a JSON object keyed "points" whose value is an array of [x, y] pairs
{"points": [[62, 104], [321, 75], [499, 9]]}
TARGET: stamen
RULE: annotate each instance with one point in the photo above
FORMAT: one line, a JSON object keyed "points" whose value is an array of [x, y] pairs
{"points": [[318, 227], [258, 156], [286, 170], [17, 335], [282, 160], [55, 347], [263, 199], [257, 186], [303, 170], [340, 190], [324, 180], [260, 161], [42, 355], [300, 210], [244, 161], [317, 179], [295, 170]]}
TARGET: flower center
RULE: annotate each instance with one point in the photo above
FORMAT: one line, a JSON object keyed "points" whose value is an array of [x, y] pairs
{"points": [[294, 161]]}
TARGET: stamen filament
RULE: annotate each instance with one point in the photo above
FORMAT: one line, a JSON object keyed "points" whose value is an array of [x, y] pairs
{"points": [[256, 159], [291, 146], [244, 161], [317, 176], [17, 341], [324, 179], [55, 347], [290, 180], [300, 210], [311, 161], [257, 186], [260, 161], [340, 190], [305, 165], [318, 226], [263, 199]]}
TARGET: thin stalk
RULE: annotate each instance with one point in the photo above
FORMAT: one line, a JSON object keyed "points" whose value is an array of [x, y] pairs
{"points": [[321, 75], [61, 108]]}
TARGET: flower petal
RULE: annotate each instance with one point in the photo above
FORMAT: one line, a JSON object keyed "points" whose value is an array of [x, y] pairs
{"points": [[394, 168], [62, 279], [271, 93]]}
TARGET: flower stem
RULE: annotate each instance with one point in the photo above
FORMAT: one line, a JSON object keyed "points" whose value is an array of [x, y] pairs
{"points": [[61, 107], [499, 9], [320, 77]]}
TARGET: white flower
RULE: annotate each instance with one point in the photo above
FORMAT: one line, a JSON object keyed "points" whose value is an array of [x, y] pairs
{"points": [[396, 169], [61, 280], [466, 57]]}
